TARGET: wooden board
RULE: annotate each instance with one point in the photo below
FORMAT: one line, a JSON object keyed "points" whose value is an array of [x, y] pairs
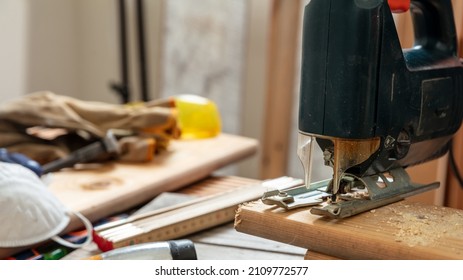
{"points": [[117, 187], [176, 221], [310, 255], [283, 45], [404, 230], [223, 243]]}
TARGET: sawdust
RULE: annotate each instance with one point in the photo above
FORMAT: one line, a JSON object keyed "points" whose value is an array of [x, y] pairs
{"points": [[238, 216], [418, 225]]}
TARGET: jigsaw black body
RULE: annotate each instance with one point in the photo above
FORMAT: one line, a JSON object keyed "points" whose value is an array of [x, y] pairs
{"points": [[371, 106]]}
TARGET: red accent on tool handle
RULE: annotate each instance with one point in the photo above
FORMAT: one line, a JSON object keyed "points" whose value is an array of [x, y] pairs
{"points": [[399, 6]]}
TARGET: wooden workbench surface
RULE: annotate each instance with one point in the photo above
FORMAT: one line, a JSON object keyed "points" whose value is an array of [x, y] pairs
{"points": [[224, 243], [403, 230], [219, 242], [116, 187]]}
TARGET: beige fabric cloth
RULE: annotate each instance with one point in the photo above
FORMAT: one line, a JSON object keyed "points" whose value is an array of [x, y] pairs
{"points": [[46, 126]]}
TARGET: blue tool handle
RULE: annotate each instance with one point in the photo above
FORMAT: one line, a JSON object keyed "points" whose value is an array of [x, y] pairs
{"points": [[21, 159]]}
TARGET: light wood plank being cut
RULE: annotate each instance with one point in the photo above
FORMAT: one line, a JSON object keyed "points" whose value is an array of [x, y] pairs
{"points": [[403, 230]]}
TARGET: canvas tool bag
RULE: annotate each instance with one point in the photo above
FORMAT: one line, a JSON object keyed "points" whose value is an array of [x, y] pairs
{"points": [[45, 126]]}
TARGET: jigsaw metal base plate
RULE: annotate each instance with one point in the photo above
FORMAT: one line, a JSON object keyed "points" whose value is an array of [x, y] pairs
{"points": [[379, 190]]}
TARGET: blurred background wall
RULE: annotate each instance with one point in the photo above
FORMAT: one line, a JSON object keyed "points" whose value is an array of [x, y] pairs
{"points": [[242, 54]]}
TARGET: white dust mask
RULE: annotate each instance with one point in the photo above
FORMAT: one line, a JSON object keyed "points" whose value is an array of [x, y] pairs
{"points": [[29, 212]]}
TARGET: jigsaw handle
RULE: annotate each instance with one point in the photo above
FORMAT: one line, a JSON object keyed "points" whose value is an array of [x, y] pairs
{"points": [[434, 25]]}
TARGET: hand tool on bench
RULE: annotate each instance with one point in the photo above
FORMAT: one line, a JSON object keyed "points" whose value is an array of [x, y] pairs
{"points": [[106, 146]]}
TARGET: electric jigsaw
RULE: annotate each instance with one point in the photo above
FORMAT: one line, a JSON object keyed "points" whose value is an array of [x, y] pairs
{"points": [[372, 107]]}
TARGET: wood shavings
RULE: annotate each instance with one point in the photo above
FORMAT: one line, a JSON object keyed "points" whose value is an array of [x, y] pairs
{"points": [[415, 228], [358, 195]]}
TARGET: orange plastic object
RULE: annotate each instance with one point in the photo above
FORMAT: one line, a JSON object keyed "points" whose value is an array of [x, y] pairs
{"points": [[399, 6]]}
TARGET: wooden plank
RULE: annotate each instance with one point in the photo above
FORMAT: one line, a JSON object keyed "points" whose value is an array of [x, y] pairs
{"points": [[311, 255], [281, 65], [216, 185], [116, 187], [254, 80], [178, 221], [223, 243], [213, 185], [403, 230]]}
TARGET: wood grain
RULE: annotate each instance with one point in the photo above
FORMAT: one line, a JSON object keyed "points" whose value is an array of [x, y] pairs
{"points": [[186, 218], [116, 187], [223, 243], [404, 230], [174, 223], [310, 255]]}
